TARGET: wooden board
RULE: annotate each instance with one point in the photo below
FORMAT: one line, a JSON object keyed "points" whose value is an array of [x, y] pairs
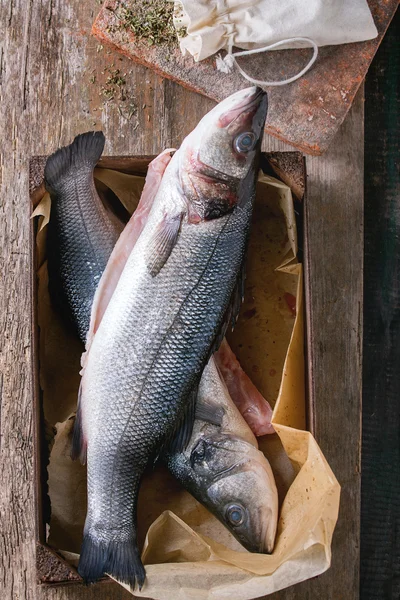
{"points": [[47, 63], [306, 113]]}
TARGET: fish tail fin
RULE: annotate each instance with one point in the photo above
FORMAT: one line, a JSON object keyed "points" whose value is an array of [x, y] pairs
{"points": [[120, 559], [81, 155], [92, 560], [124, 563]]}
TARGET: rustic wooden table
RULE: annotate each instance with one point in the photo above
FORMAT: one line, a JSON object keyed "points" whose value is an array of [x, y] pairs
{"points": [[53, 80]]}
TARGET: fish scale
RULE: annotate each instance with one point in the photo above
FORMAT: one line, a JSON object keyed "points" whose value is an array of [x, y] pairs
{"points": [[95, 255], [78, 213]]}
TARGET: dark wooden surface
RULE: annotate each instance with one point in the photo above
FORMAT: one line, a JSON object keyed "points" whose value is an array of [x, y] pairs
{"points": [[47, 66], [380, 506]]}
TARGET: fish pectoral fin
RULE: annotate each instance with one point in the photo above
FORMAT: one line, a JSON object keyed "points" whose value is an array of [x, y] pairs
{"points": [[238, 295], [209, 411], [180, 438], [162, 243], [79, 445]]}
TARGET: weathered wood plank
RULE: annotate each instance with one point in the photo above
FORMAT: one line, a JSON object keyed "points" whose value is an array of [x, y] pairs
{"points": [[47, 65], [334, 254]]}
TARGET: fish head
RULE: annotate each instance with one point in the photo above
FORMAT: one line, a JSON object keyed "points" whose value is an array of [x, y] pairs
{"points": [[238, 487], [221, 152]]}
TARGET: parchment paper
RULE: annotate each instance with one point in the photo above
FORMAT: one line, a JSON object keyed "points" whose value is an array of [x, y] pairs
{"points": [[187, 552]]}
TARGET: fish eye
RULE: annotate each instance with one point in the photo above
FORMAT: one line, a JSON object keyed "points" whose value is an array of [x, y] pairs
{"points": [[245, 142], [235, 514]]}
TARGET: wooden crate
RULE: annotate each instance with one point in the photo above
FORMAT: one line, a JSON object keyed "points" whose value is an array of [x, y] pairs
{"points": [[289, 167]]}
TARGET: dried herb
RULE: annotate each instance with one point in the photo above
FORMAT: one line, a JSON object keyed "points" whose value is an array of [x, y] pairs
{"points": [[114, 86], [129, 111], [151, 21], [116, 78], [181, 32], [113, 89]]}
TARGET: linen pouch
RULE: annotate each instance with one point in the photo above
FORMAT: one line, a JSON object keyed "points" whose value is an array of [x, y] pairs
{"points": [[214, 25]]}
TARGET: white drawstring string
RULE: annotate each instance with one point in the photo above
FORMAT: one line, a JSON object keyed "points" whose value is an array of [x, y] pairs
{"points": [[226, 64]]}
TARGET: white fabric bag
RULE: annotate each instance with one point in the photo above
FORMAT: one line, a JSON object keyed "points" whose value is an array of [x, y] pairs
{"points": [[213, 25]]}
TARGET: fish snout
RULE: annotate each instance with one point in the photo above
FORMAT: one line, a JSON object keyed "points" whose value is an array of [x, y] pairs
{"points": [[249, 104]]}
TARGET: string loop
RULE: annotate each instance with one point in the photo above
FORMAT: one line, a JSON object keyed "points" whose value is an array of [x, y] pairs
{"points": [[226, 64]]}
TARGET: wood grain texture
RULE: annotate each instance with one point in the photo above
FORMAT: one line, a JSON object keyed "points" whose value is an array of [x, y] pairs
{"points": [[47, 65]]}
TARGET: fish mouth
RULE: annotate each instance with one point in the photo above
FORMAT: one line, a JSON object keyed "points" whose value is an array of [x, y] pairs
{"points": [[251, 103], [265, 543]]}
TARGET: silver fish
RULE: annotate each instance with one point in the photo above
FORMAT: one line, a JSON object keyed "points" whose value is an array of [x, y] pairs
{"points": [[224, 470], [82, 231], [221, 465], [144, 362]]}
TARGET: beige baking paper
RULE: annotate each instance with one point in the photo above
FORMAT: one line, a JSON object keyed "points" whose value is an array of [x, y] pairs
{"points": [[188, 553]]}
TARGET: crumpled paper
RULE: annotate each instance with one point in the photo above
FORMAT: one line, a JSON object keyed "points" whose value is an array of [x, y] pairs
{"points": [[188, 553]]}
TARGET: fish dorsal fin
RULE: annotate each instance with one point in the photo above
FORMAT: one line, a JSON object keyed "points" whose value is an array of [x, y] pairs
{"points": [[162, 242], [181, 437], [232, 312], [238, 295], [209, 411], [79, 443], [126, 243]]}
